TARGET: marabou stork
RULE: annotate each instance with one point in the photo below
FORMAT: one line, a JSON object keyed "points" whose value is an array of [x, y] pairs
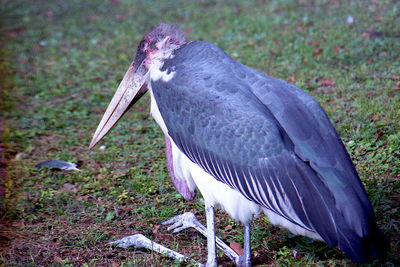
{"points": [[250, 143]]}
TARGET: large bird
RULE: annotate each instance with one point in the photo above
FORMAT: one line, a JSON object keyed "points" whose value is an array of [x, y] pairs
{"points": [[250, 143]]}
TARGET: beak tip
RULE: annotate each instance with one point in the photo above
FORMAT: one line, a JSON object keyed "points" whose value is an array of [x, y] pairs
{"points": [[92, 143]]}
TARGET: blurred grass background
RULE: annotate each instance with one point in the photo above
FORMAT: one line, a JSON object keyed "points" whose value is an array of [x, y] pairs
{"points": [[60, 63]]}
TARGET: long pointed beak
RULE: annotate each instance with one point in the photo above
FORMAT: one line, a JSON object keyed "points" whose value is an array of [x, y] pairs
{"points": [[131, 88]]}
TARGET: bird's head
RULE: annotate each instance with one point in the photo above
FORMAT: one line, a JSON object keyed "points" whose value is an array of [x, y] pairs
{"points": [[155, 47], [158, 45]]}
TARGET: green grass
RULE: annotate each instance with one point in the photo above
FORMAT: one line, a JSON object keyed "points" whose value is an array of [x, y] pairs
{"points": [[60, 64]]}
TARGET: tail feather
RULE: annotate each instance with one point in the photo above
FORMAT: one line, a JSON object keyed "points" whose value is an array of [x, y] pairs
{"points": [[367, 248]]}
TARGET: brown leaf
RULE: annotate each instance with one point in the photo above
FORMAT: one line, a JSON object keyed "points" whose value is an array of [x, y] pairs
{"points": [[371, 92], [16, 32], [93, 17], [292, 79], [82, 197], [327, 82], [299, 28], [20, 223], [121, 17], [318, 52], [336, 49], [220, 23], [313, 43], [155, 229], [327, 85], [48, 14], [188, 30], [22, 61], [368, 35], [236, 247], [228, 227]]}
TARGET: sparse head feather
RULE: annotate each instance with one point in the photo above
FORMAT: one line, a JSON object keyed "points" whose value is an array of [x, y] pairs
{"points": [[164, 29]]}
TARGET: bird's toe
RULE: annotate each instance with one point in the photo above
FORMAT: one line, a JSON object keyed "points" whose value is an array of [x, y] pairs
{"points": [[181, 222]]}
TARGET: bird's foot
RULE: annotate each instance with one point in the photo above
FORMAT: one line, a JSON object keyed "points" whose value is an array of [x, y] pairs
{"points": [[140, 241], [187, 220], [184, 221]]}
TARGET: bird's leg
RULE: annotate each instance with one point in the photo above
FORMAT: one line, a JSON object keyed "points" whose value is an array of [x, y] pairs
{"points": [[245, 258], [187, 220], [140, 241], [212, 250]]}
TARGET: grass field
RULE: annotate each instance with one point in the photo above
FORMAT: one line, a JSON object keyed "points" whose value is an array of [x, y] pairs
{"points": [[60, 63]]}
